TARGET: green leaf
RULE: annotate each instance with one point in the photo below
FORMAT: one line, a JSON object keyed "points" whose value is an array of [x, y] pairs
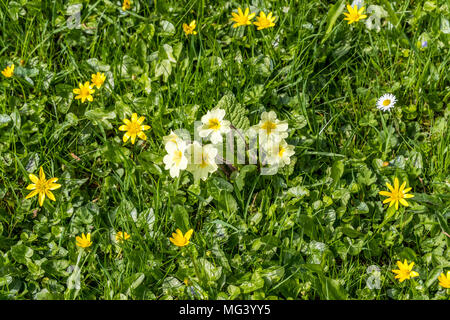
{"points": [[164, 69], [21, 253], [15, 117], [235, 112], [181, 217], [391, 12], [331, 289], [210, 272], [336, 171], [240, 179], [334, 12], [100, 116], [167, 29], [254, 284], [4, 119]]}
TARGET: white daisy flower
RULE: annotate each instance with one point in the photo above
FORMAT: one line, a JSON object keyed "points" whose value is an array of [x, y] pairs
{"points": [[175, 160], [214, 125], [270, 128], [386, 102], [201, 160], [278, 154]]}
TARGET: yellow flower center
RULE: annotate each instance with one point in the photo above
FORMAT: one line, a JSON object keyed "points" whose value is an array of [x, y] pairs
{"points": [[264, 23], [42, 186], [204, 162], [397, 195], [188, 29], [386, 102], [405, 273], [214, 124], [133, 128], [269, 126], [242, 20], [177, 157], [84, 92], [280, 153]]}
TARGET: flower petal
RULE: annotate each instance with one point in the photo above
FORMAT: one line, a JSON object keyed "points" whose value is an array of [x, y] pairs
{"points": [[50, 195], [32, 194], [41, 198], [396, 183], [403, 186], [142, 135], [31, 187], [140, 120], [41, 174], [188, 234], [33, 178], [54, 186]]}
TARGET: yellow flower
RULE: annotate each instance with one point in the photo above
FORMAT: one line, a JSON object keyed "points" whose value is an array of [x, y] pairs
{"points": [[122, 236], [444, 280], [98, 79], [189, 29], [8, 71], [180, 240], [242, 19], [84, 92], [126, 5], [264, 22], [42, 187], [84, 241], [405, 271], [354, 14], [134, 128], [397, 194]]}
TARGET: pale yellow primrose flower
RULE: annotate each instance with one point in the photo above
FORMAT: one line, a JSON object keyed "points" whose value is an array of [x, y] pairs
{"points": [[278, 154], [172, 137], [175, 160], [270, 128], [201, 160], [214, 125]]}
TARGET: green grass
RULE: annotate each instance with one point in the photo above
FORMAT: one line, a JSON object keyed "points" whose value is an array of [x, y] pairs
{"points": [[308, 232]]}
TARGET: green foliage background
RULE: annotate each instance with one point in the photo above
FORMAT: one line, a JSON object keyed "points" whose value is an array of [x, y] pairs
{"points": [[309, 232]]}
